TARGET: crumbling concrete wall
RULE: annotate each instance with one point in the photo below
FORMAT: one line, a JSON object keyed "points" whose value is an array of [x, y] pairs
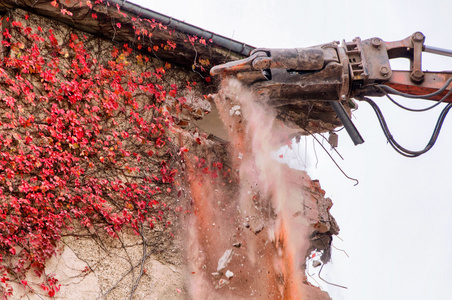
{"points": [[264, 217]]}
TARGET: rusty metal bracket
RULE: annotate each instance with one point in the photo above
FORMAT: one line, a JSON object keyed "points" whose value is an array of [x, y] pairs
{"points": [[368, 61], [416, 64], [410, 48]]}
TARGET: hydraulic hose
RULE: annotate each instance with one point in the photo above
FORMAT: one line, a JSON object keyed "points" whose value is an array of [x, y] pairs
{"points": [[403, 151]]}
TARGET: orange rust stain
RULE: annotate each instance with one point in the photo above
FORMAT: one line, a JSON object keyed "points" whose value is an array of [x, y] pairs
{"points": [[290, 269]]}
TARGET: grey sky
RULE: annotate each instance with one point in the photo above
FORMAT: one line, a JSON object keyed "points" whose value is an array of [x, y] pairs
{"points": [[395, 224]]}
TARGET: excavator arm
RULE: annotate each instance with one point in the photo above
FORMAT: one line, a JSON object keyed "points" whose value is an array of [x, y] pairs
{"points": [[337, 73]]}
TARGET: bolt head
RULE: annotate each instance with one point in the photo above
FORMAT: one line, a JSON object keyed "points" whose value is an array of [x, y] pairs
{"points": [[376, 42], [418, 36], [384, 71], [417, 76]]}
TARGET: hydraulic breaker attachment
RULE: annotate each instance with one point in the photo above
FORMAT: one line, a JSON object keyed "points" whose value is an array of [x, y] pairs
{"points": [[289, 75], [288, 79]]}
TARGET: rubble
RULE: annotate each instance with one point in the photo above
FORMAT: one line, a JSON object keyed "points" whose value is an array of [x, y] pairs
{"points": [[224, 260], [316, 263], [235, 110], [222, 283], [259, 228], [229, 274]]}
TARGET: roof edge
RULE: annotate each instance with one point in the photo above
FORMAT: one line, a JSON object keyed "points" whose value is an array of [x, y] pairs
{"points": [[230, 44]]}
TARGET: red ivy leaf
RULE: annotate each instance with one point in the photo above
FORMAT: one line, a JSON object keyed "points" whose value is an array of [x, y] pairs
{"points": [[66, 12], [171, 44], [15, 23], [109, 92]]}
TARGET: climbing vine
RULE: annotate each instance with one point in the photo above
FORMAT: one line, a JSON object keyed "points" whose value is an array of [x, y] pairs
{"points": [[83, 142]]}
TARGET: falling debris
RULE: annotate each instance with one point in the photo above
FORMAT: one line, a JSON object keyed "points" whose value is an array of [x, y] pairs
{"points": [[259, 228], [333, 139], [316, 263], [253, 209], [235, 110], [224, 260], [237, 245], [222, 283]]}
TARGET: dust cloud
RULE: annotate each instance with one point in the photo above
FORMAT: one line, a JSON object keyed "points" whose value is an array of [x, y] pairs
{"points": [[254, 219]]}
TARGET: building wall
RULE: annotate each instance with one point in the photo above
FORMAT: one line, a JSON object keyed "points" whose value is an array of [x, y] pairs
{"points": [[89, 257], [171, 260]]}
